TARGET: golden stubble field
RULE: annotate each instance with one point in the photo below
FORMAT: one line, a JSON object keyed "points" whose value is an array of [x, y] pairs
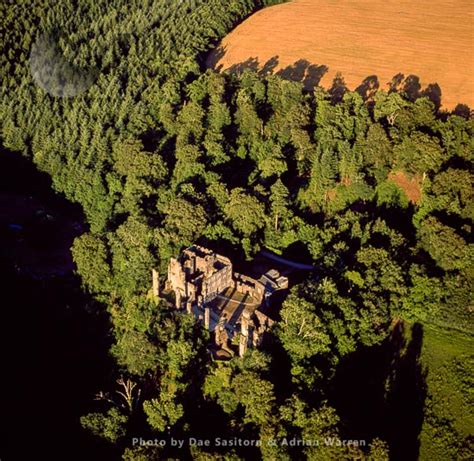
{"points": [[432, 39]]}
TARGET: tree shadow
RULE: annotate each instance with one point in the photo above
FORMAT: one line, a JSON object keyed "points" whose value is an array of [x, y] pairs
{"points": [[302, 71], [406, 396], [433, 93], [314, 74], [338, 88], [305, 72], [269, 67], [380, 391], [214, 57], [463, 110], [295, 71], [411, 89], [250, 64], [60, 357], [396, 84], [310, 75], [368, 87]]}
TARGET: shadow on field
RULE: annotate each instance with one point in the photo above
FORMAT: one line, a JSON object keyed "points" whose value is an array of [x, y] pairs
{"points": [[410, 87], [381, 391], [300, 71], [305, 72], [310, 76], [368, 87]]}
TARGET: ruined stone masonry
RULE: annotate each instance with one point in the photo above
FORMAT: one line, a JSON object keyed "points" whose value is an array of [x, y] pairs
{"points": [[228, 303]]}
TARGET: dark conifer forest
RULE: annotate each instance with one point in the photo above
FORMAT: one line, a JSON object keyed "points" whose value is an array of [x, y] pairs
{"points": [[112, 110]]}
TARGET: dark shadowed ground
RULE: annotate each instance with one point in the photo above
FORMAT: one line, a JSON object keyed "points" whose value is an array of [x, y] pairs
{"points": [[54, 336]]}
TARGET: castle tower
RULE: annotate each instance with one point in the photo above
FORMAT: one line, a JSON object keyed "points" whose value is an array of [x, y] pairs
{"points": [[207, 317], [188, 307], [244, 332], [155, 280]]}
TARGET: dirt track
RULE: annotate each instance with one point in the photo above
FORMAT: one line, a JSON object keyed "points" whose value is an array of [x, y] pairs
{"points": [[432, 39]]}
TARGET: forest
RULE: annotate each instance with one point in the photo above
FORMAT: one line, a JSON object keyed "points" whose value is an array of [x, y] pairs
{"points": [[112, 101]]}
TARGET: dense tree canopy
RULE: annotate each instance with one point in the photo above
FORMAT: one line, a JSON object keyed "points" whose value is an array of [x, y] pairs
{"points": [[161, 153]]}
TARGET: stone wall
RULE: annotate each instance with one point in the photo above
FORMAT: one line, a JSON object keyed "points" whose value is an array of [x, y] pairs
{"points": [[247, 285], [216, 283]]}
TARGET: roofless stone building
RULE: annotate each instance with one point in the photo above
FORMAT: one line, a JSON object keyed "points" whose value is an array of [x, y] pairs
{"points": [[228, 303]]}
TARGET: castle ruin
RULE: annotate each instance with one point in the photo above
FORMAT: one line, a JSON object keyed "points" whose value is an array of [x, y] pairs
{"points": [[228, 303]]}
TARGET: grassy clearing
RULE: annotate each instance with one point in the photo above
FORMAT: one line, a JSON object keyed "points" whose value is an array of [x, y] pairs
{"points": [[449, 407]]}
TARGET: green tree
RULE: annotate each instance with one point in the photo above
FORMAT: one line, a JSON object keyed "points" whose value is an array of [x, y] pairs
{"points": [[418, 154], [245, 212], [301, 331], [132, 247], [110, 426], [256, 396], [448, 249], [136, 352], [91, 255], [164, 411], [279, 203], [184, 221]]}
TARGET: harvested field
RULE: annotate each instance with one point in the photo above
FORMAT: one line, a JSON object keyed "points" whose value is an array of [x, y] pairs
{"points": [[313, 40]]}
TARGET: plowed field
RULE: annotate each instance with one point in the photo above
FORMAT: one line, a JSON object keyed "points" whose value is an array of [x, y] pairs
{"points": [[431, 39]]}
